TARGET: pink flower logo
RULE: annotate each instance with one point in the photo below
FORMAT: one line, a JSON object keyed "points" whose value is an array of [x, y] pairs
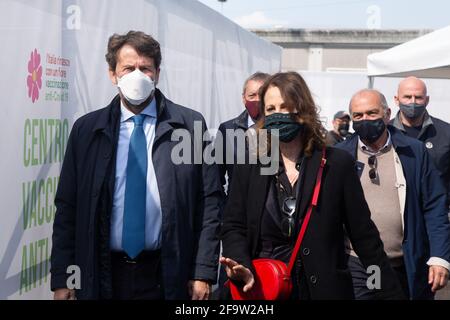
{"points": [[34, 79]]}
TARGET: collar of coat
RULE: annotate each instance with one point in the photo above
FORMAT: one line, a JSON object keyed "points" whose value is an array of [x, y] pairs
{"points": [[399, 141], [241, 121], [427, 121], [166, 120]]}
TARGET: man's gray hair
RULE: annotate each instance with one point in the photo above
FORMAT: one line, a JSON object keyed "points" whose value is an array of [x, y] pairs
{"points": [[383, 100], [257, 76]]}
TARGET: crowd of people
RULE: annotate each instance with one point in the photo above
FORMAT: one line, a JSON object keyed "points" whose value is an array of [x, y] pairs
{"points": [[140, 226]]}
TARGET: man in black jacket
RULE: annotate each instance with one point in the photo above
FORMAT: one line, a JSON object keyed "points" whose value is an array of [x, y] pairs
{"points": [[136, 224], [247, 119], [414, 121], [406, 198], [341, 124], [234, 146]]}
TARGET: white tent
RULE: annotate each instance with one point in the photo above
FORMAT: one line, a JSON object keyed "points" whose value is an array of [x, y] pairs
{"points": [[425, 57]]}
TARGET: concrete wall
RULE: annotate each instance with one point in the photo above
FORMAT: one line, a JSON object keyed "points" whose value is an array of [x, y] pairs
{"points": [[322, 50]]}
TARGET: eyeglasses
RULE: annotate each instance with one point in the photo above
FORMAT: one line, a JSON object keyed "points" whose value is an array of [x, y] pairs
{"points": [[373, 174], [287, 223]]}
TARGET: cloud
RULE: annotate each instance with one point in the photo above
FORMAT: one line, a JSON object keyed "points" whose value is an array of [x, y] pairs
{"points": [[258, 19]]}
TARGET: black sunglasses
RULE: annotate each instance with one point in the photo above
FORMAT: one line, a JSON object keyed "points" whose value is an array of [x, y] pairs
{"points": [[287, 223], [373, 164]]}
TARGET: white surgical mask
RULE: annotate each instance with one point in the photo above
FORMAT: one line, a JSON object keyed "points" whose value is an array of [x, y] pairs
{"points": [[136, 87]]}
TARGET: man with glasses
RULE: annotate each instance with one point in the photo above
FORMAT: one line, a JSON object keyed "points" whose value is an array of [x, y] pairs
{"points": [[406, 198]]}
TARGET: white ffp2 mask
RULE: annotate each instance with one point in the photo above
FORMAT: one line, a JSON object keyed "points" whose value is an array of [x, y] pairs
{"points": [[136, 86]]}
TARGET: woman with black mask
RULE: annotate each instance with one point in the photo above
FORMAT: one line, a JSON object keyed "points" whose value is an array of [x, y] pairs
{"points": [[264, 213]]}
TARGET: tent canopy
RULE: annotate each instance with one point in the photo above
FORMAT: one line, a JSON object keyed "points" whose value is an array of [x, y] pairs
{"points": [[425, 57]]}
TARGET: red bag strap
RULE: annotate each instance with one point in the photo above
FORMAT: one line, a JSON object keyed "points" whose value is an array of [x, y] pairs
{"points": [[314, 200]]}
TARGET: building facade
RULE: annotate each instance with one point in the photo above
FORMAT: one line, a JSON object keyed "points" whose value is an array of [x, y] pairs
{"points": [[333, 49]]}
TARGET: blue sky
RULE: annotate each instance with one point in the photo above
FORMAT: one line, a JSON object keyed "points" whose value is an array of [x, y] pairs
{"points": [[373, 14]]}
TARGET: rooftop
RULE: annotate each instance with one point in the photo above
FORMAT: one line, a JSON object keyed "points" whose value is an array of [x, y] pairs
{"points": [[358, 37]]}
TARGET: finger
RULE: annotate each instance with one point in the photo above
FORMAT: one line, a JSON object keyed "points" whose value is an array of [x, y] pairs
{"points": [[430, 275], [229, 272], [445, 275], [203, 291], [226, 265], [436, 281], [241, 270], [442, 281], [229, 262], [249, 285], [200, 293], [194, 292]]}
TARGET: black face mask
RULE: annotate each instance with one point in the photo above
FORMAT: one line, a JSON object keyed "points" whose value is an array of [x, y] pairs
{"points": [[369, 130], [412, 110], [287, 127], [343, 129]]}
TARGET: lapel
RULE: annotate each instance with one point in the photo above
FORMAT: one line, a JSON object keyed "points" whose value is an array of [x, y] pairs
{"points": [[241, 121], [259, 185], [167, 119], [108, 120], [107, 127], [106, 131], [312, 165]]}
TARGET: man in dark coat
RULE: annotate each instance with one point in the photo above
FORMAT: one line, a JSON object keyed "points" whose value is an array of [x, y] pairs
{"points": [[136, 224], [341, 124], [234, 145], [414, 121], [406, 198], [247, 119]]}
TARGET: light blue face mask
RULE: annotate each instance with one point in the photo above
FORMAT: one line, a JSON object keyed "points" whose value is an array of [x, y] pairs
{"points": [[412, 110]]}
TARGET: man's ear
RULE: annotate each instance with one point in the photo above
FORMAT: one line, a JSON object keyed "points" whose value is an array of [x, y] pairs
{"points": [[427, 101], [156, 80], [387, 115], [397, 101], [112, 76]]}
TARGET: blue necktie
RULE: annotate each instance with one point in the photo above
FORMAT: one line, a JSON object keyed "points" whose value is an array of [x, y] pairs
{"points": [[133, 233]]}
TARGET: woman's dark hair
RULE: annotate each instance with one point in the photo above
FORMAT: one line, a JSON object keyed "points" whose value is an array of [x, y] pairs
{"points": [[143, 43], [297, 98]]}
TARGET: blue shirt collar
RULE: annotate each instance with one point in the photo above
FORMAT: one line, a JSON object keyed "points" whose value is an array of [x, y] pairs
{"points": [[149, 110]]}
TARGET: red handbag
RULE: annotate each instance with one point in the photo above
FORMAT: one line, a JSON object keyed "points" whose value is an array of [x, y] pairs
{"points": [[272, 277]]}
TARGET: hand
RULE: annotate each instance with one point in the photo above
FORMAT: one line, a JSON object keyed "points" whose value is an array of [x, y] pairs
{"points": [[64, 294], [199, 290], [236, 271], [437, 277]]}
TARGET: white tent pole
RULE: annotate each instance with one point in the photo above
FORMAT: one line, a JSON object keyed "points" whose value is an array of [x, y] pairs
{"points": [[371, 82]]}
